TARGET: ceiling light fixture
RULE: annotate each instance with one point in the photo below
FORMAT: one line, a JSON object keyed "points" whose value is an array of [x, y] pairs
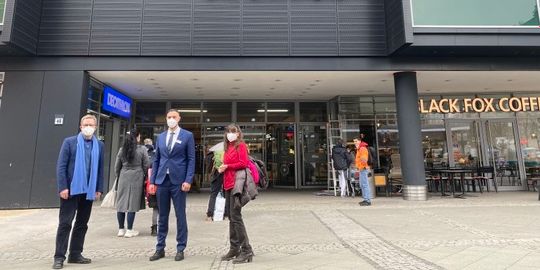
{"points": [[274, 110], [192, 110]]}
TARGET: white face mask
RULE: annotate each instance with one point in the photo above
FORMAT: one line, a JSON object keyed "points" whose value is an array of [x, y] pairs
{"points": [[88, 131], [172, 123], [231, 137]]}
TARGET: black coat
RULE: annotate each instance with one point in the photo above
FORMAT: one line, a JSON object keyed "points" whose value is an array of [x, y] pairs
{"points": [[342, 159]]}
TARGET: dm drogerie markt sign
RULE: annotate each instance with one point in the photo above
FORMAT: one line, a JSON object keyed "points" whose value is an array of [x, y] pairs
{"points": [[479, 105]]}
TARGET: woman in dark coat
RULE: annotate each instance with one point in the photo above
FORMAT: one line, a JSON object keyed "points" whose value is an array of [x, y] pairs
{"points": [[131, 167]]}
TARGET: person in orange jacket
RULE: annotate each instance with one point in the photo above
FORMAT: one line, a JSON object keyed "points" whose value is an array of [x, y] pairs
{"points": [[361, 161]]}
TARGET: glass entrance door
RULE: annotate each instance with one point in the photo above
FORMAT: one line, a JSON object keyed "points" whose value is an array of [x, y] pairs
{"points": [[492, 143], [502, 149], [280, 154], [314, 157]]}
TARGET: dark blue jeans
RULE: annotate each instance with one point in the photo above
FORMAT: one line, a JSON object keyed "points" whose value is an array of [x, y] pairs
{"points": [[121, 216]]}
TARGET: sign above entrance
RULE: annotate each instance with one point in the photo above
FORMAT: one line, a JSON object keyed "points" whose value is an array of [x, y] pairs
{"points": [[116, 102], [479, 105]]}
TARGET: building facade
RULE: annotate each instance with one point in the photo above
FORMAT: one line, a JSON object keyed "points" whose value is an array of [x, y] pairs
{"points": [[435, 82]]}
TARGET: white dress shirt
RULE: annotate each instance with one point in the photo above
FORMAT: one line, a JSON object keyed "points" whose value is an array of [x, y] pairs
{"points": [[175, 138]]}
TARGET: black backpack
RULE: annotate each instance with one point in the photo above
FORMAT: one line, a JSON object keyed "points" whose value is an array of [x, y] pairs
{"points": [[371, 156], [261, 168]]}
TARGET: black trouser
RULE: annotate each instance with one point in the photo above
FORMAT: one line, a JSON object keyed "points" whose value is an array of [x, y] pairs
{"points": [[237, 230], [215, 187], [74, 205]]}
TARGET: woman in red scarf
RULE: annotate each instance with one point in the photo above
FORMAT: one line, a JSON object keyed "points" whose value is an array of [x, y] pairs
{"points": [[234, 159]]}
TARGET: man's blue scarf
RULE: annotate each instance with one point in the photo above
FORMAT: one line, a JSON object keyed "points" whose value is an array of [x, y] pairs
{"points": [[81, 184]]}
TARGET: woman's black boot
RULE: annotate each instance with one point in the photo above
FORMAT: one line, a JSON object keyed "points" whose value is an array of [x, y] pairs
{"points": [[244, 257], [230, 255]]}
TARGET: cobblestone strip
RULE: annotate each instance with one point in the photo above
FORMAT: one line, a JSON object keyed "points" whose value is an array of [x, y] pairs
{"points": [[365, 244], [190, 251], [529, 243], [456, 224]]}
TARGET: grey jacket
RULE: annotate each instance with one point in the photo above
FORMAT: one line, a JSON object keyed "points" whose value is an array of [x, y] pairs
{"points": [[244, 187]]}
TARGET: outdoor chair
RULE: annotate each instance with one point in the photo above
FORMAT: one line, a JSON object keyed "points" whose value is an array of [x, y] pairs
{"points": [[484, 175], [394, 175]]}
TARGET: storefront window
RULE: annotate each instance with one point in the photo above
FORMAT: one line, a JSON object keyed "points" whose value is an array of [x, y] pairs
{"points": [[388, 140], [280, 112], [477, 13], [313, 112], [434, 143], [190, 111], [150, 112], [217, 112], [529, 129], [250, 112]]}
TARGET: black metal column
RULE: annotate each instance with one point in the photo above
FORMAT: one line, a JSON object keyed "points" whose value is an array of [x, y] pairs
{"points": [[410, 136]]}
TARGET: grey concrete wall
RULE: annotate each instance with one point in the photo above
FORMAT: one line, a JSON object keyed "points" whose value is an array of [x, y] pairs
{"points": [[29, 140]]}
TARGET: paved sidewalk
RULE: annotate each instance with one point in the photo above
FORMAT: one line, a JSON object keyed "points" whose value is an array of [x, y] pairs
{"points": [[297, 230]]}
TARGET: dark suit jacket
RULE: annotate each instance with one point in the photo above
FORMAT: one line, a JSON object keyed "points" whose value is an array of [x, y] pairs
{"points": [[66, 164], [180, 161]]}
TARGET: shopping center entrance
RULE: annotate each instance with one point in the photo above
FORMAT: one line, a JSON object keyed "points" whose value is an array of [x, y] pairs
{"points": [[291, 119]]}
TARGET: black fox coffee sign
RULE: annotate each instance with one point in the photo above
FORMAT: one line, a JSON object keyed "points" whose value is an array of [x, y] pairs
{"points": [[479, 105]]}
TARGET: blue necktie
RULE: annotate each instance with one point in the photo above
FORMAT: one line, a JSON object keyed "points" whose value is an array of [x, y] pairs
{"points": [[169, 143]]}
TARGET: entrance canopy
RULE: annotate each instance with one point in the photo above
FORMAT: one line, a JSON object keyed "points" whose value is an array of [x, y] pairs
{"points": [[307, 85]]}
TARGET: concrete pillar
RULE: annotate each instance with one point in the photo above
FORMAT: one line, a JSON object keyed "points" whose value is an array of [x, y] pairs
{"points": [[410, 137]]}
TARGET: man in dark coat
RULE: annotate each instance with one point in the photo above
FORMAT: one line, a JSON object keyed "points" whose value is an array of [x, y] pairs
{"points": [[79, 176], [342, 160]]}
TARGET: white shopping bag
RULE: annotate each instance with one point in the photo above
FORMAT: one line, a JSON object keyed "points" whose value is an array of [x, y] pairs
{"points": [[219, 208], [110, 199]]}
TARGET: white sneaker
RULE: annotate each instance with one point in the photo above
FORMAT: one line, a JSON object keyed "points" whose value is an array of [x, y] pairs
{"points": [[121, 232], [131, 233]]}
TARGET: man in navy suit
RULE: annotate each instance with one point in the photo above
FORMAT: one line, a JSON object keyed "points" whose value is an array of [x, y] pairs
{"points": [[79, 176], [173, 170]]}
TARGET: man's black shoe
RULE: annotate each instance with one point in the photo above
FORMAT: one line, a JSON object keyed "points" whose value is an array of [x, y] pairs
{"points": [[79, 259], [158, 255], [179, 256], [58, 264], [365, 203]]}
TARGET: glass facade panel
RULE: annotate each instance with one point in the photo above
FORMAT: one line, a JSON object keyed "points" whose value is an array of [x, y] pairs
{"points": [[280, 112], [313, 112], [150, 112], [2, 11], [250, 112], [217, 112], [190, 111], [479, 13], [530, 143]]}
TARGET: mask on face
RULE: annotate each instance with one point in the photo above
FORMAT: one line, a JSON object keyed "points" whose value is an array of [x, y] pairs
{"points": [[88, 131], [231, 137], [171, 123]]}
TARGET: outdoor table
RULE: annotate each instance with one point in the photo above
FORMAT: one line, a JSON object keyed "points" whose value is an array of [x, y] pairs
{"points": [[451, 172]]}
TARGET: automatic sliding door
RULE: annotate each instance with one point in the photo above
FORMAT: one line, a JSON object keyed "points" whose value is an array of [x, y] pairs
{"points": [[280, 154], [314, 158]]}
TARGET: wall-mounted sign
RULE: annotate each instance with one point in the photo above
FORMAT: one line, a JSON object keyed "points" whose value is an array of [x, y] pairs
{"points": [[116, 102], [58, 119], [480, 105]]}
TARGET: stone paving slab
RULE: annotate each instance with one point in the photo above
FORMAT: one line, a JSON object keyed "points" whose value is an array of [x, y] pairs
{"points": [[297, 230]]}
